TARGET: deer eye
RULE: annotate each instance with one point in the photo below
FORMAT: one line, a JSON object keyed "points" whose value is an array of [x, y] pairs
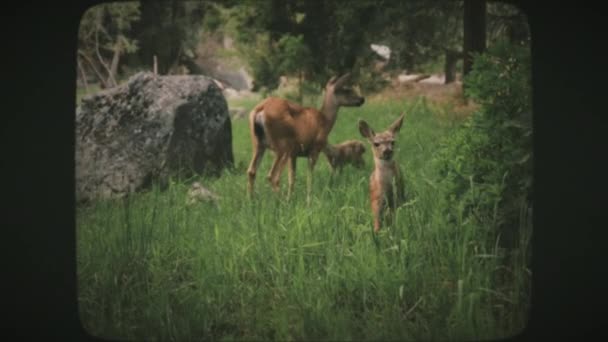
{"points": [[376, 144]]}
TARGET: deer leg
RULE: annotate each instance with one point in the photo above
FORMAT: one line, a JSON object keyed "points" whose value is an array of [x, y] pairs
{"points": [[359, 162], [390, 207], [258, 154], [274, 175], [292, 174], [270, 177], [377, 212], [312, 160], [389, 216], [279, 170], [377, 223]]}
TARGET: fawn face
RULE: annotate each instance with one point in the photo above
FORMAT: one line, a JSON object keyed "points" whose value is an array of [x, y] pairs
{"points": [[382, 143]]}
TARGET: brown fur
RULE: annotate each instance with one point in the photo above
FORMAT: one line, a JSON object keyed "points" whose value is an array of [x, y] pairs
{"points": [[292, 131], [347, 152], [386, 181]]}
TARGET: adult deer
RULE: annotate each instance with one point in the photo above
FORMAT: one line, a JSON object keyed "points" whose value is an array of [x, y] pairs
{"points": [[291, 131]]}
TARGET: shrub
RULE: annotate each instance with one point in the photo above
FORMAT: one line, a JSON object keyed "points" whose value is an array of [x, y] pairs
{"points": [[486, 165]]}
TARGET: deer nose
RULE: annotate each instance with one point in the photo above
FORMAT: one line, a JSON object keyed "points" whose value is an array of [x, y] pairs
{"points": [[387, 153], [361, 101]]}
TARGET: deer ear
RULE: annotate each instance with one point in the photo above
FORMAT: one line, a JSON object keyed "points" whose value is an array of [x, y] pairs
{"points": [[332, 80], [365, 130], [340, 82], [396, 126]]}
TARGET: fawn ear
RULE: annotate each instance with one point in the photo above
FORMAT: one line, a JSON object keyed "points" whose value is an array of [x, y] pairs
{"points": [[396, 126], [365, 130]]}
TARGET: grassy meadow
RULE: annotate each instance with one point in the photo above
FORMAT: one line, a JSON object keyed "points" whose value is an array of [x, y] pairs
{"points": [[152, 268]]}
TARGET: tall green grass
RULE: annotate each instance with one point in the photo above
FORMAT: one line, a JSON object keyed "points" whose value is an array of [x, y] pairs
{"points": [[150, 267]]}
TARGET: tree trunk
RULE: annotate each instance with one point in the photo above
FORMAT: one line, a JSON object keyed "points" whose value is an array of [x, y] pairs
{"points": [[102, 80], [173, 67], [356, 43], [83, 75], [517, 29], [280, 22], [474, 31], [111, 82], [314, 27], [451, 58], [115, 60]]}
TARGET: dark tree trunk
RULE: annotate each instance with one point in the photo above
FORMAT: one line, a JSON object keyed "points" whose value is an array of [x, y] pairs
{"points": [[280, 22], [114, 63], [517, 29], [161, 32], [474, 31], [358, 41], [83, 75], [451, 58], [314, 28]]}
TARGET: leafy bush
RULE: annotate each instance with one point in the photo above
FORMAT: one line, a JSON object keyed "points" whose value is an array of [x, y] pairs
{"points": [[486, 165], [271, 60], [371, 81], [294, 54], [263, 61]]}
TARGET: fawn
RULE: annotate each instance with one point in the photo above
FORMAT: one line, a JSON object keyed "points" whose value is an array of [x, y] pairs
{"points": [[386, 181], [347, 152]]}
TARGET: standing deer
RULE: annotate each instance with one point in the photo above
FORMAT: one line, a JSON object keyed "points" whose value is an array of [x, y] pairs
{"points": [[386, 181], [292, 131]]}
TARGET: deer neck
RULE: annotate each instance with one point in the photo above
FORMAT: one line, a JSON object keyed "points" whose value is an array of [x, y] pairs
{"points": [[329, 110], [384, 172], [384, 166]]}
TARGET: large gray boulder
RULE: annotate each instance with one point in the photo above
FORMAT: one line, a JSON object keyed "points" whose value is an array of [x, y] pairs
{"points": [[148, 129]]}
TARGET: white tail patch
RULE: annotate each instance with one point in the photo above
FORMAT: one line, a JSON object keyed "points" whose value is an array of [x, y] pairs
{"points": [[259, 118]]}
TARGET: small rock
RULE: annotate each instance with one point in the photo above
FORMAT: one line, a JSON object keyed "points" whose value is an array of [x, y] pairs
{"points": [[198, 193]]}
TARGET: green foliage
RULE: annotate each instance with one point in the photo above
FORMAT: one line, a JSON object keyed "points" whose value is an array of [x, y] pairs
{"points": [[170, 30], [418, 32], [105, 34], [112, 23], [487, 163], [263, 61], [506, 21], [317, 39], [269, 61], [213, 19], [335, 36], [371, 81], [122, 15], [293, 54]]}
